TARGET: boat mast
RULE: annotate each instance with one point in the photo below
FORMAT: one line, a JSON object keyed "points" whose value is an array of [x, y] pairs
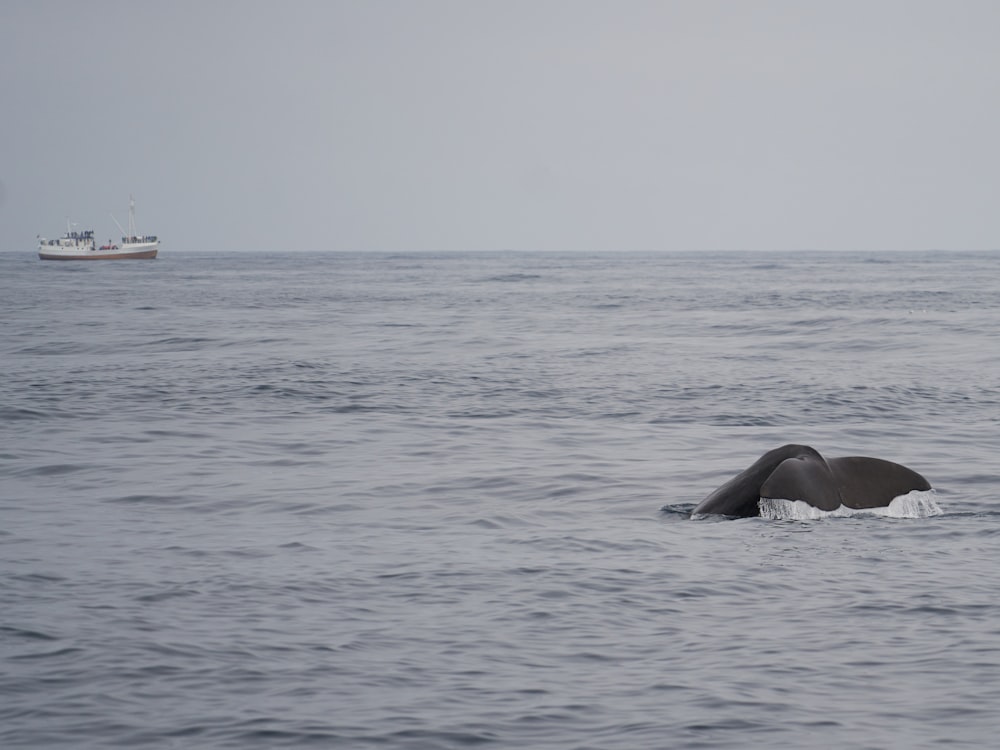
{"points": [[131, 218]]}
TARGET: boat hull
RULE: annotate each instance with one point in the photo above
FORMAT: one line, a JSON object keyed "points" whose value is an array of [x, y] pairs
{"points": [[143, 252]]}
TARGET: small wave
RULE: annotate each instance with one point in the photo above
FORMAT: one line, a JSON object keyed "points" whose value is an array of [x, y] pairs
{"points": [[507, 277], [160, 596], [916, 504], [23, 633], [148, 499], [47, 654], [179, 343], [51, 470], [37, 578], [13, 413], [681, 510]]}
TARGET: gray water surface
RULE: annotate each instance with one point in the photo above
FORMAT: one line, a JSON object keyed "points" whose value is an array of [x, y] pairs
{"points": [[416, 501]]}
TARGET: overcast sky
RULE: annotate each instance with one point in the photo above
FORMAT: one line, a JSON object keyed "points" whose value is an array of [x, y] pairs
{"points": [[504, 124]]}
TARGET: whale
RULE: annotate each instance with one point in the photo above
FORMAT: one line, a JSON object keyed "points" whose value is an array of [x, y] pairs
{"points": [[799, 472]]}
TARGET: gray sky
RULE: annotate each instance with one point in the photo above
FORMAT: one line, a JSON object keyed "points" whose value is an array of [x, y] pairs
{"points": [[504, 124]]}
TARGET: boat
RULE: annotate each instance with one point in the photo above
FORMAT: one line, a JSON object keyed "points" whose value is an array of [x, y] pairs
{"points": [[76, 245]]}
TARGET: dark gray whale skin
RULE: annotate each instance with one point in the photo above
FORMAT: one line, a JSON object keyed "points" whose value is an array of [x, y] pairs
{"points": [[798, 472]]}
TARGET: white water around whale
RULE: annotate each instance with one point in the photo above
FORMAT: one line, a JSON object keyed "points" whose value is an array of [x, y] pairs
{"points": [[915, 504]]}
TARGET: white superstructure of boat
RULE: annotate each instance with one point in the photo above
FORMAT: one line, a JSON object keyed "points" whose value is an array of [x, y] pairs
{"points": [[81, 245]]}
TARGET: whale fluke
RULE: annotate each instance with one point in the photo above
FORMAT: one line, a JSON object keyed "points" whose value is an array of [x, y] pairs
{"points": [[798, 472]]}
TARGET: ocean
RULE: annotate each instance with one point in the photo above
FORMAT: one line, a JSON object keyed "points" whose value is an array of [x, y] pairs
{"points": [[431, 501]]}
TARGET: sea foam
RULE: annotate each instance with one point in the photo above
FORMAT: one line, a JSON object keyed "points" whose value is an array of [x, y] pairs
{"points": [[916, 504]]}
